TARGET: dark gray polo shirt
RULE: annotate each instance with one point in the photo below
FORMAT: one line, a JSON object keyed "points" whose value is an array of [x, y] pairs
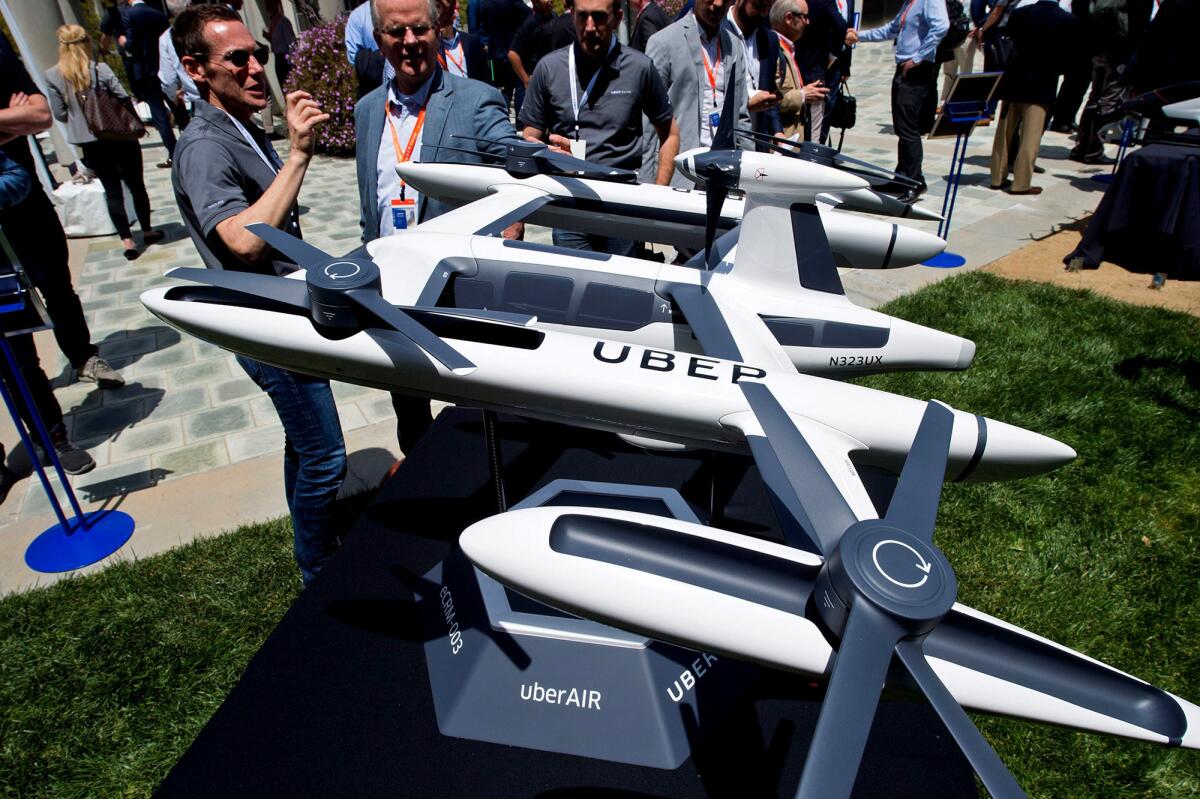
{"points": [[217, 174], [610, 120]]}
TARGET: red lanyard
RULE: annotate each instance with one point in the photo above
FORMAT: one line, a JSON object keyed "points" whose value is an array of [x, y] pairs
{"points": [[412, 140], [458, 62], [904, 15], [789, 51], [711, 70]]}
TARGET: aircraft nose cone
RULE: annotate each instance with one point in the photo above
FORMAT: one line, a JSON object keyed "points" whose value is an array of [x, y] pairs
{"points": [[685, 162], [1012, 451], [967, 354], [915, 246]]}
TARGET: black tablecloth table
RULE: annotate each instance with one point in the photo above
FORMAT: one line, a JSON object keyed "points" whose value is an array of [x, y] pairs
{"points": [[337, 702], [1147, 221]]}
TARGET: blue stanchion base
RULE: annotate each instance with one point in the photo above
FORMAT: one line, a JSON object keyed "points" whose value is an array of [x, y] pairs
{"points": [[60, 549], [946, 260], [1107, 177]]}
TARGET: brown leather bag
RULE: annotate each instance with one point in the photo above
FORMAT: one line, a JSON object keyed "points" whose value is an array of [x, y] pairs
{"points": [[109, 118]]}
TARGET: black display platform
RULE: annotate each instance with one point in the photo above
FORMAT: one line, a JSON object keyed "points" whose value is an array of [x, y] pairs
{"points": [[337, 702]]}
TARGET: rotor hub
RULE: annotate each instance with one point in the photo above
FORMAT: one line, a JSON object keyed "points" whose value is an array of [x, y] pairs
{"points": [[328, 283], [902, 575]]}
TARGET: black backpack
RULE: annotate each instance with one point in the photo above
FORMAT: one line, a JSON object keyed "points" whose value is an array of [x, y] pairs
{"points": [[956, 34]]}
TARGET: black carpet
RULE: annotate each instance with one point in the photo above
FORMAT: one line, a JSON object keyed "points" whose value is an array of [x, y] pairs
{"points": [[337, 702]]}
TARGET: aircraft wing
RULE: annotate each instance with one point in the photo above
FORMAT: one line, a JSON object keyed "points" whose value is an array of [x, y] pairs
{"points": [[489, 215]]}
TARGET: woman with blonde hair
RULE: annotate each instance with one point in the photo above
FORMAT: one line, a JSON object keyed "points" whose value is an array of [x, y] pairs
{"points": [[113, 162]]}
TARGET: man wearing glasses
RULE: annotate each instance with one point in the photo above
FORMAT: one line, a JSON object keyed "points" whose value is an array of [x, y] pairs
{"points": [[418, 115], [589, 99], [226, 176]]}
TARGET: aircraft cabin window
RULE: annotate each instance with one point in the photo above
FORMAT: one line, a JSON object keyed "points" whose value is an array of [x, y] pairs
{"points": [[545, 296], [473, 293], [615, 307]]}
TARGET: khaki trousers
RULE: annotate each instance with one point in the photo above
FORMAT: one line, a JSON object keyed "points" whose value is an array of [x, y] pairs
{"points": [[1032, 119]]}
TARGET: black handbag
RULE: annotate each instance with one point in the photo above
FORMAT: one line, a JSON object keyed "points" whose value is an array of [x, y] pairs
{"points": [[845, 111], [109, 117], [998, 54]]}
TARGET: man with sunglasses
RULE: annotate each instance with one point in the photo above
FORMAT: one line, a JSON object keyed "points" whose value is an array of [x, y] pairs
{"points": [[227, 176], [589, 98], [822, 37], [694, 57], [418, 115]]}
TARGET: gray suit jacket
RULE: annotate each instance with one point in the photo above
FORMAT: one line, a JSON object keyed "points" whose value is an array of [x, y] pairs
{"points": [[64, 103], [456, 107], [675, 51]]}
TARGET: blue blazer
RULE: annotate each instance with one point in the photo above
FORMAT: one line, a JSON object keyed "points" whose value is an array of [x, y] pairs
{"points": [[144, 25], [456, 107]]}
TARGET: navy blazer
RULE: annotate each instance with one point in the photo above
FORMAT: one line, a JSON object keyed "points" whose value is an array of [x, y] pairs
{"points": [[456, 107], [768, 121], [145, 24], [473, 54]]}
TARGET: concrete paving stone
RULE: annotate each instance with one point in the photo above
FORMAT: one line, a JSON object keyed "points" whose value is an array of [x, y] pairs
{"points": [[206, 372], [94, 304], [378, 409], [237, 388], [176, 357], [263, 411], [99, 448], [205, 350], [148, 439], [191, 459], [92, 277], [219, 421], [350, 392], [112, 316], [115, 287], [35, 503], [117, 479], [77, 395], [180, 402], [351, 416], [152, 388], [109, 420], [154, 281], [252, 443], [130, 346]]}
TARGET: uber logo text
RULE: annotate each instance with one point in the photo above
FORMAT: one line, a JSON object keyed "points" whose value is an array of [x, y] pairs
{"points": [[583, 698]]}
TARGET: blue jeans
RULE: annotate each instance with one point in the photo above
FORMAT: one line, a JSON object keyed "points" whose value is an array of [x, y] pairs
{"points": [[586, 241], [314, 458]]}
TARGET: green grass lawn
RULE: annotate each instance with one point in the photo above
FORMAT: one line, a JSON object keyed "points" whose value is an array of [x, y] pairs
{"points": [[105, 680]]}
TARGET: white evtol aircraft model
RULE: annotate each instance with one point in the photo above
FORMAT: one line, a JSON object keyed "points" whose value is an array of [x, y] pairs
{"points": [[645, 212], [338, 322], [876, 606]]}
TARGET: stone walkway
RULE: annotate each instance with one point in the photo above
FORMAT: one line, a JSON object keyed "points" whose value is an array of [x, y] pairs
{"points": [[191, 446]]}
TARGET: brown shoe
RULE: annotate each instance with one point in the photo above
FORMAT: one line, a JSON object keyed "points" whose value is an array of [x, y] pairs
{"points": [[1030, 190]]}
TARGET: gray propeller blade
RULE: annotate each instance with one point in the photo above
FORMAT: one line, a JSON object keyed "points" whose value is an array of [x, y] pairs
{"points": [[992, 772], [802, 484], [859, 670], [268, 287], [714, 200], [298, 250], [449, 357], [914, 504], [704, 317]]}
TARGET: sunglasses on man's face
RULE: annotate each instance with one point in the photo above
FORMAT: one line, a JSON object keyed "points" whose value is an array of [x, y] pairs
{"points": [[598, 17], [239, 58], [401, 31]]}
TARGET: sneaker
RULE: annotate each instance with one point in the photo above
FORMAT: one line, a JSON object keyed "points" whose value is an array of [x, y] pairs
{"points": [[97, 371], [73, 459]]}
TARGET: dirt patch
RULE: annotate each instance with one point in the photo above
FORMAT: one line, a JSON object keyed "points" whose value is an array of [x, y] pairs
{"points": [[1043, 261]]}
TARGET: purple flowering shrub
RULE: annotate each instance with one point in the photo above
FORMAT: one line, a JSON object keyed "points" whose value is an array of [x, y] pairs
{"points": [[319, 67]]}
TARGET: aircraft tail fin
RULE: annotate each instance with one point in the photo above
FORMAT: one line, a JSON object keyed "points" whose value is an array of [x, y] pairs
{"points": [[784, 246]]}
